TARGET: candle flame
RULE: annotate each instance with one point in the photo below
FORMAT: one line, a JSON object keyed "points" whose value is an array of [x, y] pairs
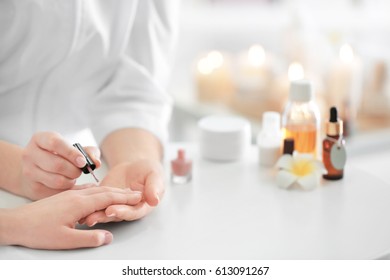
{"points": [[295, 71], [204, 66], [213, 60], [256, 55], [346, 53]]}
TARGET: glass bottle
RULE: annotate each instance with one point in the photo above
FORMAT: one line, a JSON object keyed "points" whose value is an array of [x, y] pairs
{"points": [[301, 118], [333, 147], [181, 168]]}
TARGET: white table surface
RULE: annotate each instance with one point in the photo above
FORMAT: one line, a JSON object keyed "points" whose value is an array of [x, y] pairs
{"points": [[235, 211]]}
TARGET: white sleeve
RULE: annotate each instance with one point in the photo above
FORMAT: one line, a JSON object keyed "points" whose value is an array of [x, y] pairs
{"points": [[135, 94]]}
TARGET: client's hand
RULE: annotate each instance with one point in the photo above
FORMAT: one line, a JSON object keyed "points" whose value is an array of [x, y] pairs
{"points": [[50, 223]]}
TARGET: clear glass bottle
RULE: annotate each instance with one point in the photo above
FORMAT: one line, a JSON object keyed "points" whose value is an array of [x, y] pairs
{"points": [[301, 118]]}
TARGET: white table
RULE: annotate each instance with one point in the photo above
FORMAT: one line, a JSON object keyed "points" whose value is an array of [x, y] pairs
{"points": [[235, 211]]}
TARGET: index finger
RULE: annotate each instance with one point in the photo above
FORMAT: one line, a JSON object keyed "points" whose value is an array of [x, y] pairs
{"points": [[55, 143]]}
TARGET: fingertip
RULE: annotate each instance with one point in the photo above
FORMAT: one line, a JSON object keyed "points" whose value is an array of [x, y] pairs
{"points": [[90, 223], [81, 161], [95, 154], [105, 237], [115, 212], [153, 199], [110, 213]]}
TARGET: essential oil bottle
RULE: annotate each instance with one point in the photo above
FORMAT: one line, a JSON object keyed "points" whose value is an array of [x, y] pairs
{"points": [[333, 147], [301, 118]]}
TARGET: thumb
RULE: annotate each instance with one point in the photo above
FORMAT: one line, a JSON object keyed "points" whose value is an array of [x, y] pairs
{"points": [[94, 153], [88, 238], [154, 189]]}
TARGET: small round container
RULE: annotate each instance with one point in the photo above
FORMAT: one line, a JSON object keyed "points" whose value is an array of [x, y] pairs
{"points": [[224, 138]]}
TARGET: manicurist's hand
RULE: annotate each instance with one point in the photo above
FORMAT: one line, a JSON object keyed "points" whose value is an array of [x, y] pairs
{"points": [[145, 176], [50, 223], [51, 165]]}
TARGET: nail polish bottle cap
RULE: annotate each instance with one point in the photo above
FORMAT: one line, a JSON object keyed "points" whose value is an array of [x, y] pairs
{"points": [[181, 166], [181, 155]]}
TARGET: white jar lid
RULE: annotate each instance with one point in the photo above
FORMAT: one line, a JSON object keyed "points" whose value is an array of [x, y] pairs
{"points": [[224, 138]]}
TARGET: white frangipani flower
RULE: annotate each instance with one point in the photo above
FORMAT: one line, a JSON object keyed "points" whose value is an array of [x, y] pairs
{"points": [[302, 170]]}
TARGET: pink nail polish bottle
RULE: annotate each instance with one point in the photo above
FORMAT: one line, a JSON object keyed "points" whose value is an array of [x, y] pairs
{"points": [[181, 168]]}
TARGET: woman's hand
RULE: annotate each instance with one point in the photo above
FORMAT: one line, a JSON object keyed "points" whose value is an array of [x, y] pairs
{"points": [[50, 223], [145, 176], [51, 165]]}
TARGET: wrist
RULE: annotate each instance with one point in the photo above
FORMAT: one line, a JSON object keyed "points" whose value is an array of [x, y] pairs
{"points": [[8, 228], [11, 166], [131, 145]]}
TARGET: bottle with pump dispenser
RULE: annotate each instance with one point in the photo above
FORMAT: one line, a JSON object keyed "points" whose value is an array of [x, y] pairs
{"points": [[269, 139], [301, 118], [333, 147]]}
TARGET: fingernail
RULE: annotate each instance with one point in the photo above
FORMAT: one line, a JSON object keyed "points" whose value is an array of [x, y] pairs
{"points": [[81, 162], [105, 238], [111, 214], [94, 223], [108, 238], [157, 198]]}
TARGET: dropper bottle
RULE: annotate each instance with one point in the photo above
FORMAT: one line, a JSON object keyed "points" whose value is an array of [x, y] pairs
{"points": [[333, 147]]}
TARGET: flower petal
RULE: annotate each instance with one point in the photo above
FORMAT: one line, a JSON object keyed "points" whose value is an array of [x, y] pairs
{"points": [[309, 182], [304, 156], [285, 162], [320, 168], [285, 179]]}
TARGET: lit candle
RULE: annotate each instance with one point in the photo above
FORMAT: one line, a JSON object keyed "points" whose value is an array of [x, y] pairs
{"points": [[281, 85], [344, 85], [295, 72], [254, 73], [213, 78], [253, 77]]}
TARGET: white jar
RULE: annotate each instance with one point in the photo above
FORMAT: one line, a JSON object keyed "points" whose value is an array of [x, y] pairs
{"points": [[224, 138]]}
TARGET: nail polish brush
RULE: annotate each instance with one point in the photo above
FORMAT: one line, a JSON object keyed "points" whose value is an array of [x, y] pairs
{"points": [[89, 166]]}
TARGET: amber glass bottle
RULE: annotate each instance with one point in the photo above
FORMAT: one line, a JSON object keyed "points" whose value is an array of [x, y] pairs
{"points": [[333, 148]]}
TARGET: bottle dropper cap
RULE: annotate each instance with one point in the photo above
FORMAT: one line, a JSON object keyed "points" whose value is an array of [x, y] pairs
{"points": [[335, 126], [301, 91], [288, 146]]}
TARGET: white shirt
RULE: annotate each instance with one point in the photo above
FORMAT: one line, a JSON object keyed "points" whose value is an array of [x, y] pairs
{"points": [[67, 65]]}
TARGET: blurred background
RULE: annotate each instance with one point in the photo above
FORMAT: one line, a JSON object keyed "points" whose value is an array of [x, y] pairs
{"points": [[239, 56]]}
